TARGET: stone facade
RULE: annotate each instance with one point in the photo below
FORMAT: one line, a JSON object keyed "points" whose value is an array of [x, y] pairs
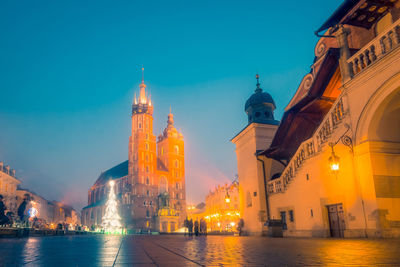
{"points": [[342, 175], [8, 187]]}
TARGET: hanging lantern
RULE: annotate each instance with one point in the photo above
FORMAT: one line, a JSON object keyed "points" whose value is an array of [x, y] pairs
{"points": [[334, 161], [227, 198]]}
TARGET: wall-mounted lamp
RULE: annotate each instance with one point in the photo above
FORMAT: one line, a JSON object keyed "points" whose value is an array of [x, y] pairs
{"points": [[334, 160], [334, 163]]}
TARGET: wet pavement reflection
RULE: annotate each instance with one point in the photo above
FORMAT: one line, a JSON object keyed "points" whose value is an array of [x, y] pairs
{"points": [[168, 250]]}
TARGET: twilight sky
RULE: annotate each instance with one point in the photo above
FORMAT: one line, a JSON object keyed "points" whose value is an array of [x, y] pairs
{"points": [[69, 70]]}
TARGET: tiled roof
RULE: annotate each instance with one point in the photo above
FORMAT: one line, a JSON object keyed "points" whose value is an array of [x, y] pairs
{"points": [[115, 172]]}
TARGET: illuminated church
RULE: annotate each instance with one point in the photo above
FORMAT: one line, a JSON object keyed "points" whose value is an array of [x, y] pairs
{"points": [[150, 185]]}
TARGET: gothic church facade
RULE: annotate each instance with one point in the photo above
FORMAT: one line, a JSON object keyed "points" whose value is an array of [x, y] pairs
{"points": [[150, 185]]}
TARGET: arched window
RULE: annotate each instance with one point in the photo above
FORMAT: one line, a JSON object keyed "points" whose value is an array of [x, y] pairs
{"points": [[147, 168], [147, 181], [147, 213], [176, 149], [148, 193], [177, 185], [146, 145], [176, 163]]}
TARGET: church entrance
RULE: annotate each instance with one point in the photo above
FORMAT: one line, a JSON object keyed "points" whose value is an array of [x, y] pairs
{"points": [[336, 220]]}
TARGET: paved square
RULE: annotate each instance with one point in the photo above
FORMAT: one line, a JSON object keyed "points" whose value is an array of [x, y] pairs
{"points": [[166, 250]]}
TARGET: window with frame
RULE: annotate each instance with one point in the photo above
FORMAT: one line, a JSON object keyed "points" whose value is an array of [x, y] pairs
{"points": [[291, 216]]}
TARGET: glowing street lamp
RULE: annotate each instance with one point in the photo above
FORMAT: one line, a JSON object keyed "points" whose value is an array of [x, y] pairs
{"points": [[334, 161], [227, 197]]}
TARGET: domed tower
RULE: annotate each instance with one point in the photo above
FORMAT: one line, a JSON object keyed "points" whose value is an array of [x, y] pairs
{"points": [[254, 172], [171, 153], [260, 106]]}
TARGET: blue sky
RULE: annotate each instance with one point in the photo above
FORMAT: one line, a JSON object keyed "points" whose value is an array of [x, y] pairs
{"points": [[69, 69]]}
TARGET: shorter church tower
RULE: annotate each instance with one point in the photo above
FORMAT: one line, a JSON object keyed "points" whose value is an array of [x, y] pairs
{"points": [[170, 148]]}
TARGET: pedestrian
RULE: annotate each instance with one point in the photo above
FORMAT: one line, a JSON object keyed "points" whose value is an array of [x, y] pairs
{"points": [[191, 227], [202, 230], [21, 210], [240, 226], [196, 228], [203, 226], [186, 225], [3, 218]]}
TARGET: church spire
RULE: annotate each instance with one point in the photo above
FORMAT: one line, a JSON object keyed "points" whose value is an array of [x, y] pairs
{"points": [[170, 117], [142, 96]]}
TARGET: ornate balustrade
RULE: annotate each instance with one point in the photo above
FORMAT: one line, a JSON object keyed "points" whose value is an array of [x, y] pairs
{"points": [[375, 49], [310, 147]]}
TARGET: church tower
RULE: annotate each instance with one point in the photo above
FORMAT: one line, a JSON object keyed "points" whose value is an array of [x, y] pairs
{"points": [[143, 160], [170, 147], [256, 136]]}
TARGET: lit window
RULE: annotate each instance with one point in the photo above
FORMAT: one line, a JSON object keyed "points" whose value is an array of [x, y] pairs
{"points": [[176, 149]]}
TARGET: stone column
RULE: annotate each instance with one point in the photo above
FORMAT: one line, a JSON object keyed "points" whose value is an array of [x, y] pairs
{"points": [[341, 37]]}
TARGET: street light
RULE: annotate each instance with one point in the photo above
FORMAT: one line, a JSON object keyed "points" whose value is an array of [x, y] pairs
{"points": [[333, 160], [227, 197]]}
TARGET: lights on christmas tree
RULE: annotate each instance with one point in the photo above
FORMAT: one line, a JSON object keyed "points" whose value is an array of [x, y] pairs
{"points": [[111, 220]]}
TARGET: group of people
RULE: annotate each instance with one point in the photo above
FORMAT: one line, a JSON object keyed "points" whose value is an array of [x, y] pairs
{"points": [[197, 228], [8, 218]]}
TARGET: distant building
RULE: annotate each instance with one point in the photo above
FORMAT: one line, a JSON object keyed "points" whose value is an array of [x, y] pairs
{"points": [[222, 208], [150, 185], [8, 187]]}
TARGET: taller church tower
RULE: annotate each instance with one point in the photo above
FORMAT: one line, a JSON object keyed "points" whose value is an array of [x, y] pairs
{"points": [[143, 160]]}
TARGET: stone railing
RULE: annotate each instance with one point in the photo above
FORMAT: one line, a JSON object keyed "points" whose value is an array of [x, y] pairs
{"points": [[375, 49], [310, 147]]}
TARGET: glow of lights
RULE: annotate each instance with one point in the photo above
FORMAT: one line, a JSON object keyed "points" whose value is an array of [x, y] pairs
{"points": [[232, 224], [111, 220], [237, 214], [334, 161], [219, 224], [229, 214], [32, 212]]}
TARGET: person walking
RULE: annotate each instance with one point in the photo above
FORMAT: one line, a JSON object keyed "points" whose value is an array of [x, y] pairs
{"points": [[21, 210], [191, 227], [186, 225], [240, 226], [196, 228]]}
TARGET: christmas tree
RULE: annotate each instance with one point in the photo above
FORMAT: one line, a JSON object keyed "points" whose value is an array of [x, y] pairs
{"points": [[111, 220]]}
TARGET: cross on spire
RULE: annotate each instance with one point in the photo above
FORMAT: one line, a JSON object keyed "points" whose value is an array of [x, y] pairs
{"points": [[258, 89]]}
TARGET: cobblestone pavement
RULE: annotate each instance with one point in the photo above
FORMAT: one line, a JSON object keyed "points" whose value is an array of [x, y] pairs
{"points": [[99, 250]]}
